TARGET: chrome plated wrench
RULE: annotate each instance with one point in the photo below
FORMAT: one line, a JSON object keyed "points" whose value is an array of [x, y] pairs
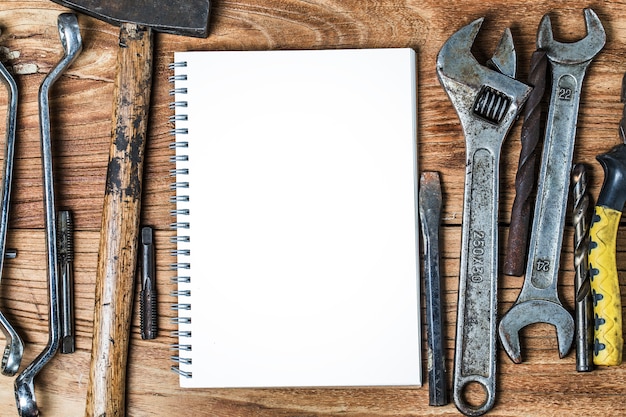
{"points": [[487, 102], [14, 347], [539, 300], [24, 384]]}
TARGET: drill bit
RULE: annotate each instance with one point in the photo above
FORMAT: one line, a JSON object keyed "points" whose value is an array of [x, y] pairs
{"points": [[515, 260], [583, 310], [622, 122], [148, 296], [65, 244]]}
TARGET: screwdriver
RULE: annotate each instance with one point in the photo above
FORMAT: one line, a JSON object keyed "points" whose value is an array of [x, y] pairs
{"points": [[608, 336], [430, 217]]}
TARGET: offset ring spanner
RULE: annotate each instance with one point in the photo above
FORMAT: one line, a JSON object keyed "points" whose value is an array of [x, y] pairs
{"points": [[14, 348], [539, 300], [487, 102], [24, 384]]}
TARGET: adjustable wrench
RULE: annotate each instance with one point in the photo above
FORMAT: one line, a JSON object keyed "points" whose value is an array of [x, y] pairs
{"points": [[487, 102], [539, 300]]}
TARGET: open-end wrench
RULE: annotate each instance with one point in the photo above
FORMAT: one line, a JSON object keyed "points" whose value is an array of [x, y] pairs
{"points": [[539, 301], [24, 384], [487, 102]]}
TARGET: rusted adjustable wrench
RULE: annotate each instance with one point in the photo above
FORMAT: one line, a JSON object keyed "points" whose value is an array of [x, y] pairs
{"points": [[539, 301], [487, 102]]}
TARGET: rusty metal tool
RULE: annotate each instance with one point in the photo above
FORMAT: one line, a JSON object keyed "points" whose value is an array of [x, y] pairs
{"points": [[65, 242], [149, 324], [487, 102], [430, 202], [609, 340], [69, 34], [14, 347], [583, 314], [117, 257], [538, 300], [525, 179]]}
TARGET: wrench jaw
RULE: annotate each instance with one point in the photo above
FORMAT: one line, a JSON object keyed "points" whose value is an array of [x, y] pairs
{"points": [[486, 100], [535, 311], [504, 59], [572, 53]]}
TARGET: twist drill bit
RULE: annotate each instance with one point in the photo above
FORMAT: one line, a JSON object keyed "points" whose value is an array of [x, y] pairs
{"points": [[521, 212], [148, 296], [583, 311], [65, 239], [622, 122]]}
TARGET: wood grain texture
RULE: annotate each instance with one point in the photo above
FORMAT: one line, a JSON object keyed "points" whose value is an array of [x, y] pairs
{"points": [[81, 117], [117, 254]]}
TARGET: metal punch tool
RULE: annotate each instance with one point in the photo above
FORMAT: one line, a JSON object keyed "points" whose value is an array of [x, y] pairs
{"points": [[14, 347], [24, 386], [487, 100]]}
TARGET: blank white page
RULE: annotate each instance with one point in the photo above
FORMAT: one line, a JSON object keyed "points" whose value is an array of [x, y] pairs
{"points": [[303, 232]]}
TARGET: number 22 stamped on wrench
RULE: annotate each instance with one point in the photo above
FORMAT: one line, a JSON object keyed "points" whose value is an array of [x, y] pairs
{"points": [[487, 102], [538, 301]]}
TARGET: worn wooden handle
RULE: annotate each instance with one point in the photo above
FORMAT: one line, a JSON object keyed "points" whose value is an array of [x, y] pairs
{"points": [[117, 256]]}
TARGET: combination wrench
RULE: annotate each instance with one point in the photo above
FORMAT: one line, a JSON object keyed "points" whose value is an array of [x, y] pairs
{"points": [[487, 102], [69, 34], [538, 300]]}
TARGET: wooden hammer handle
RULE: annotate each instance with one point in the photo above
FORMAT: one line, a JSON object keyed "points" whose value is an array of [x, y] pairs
{"points": [[117, 256]]}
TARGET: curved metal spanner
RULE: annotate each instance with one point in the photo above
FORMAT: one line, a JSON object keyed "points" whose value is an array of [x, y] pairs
{"points": [[24, 387], [14, 347]]}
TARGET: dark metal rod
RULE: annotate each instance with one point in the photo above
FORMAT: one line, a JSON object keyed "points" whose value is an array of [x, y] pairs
{"points": [[430, 202], [521, 213], [583, 309]]}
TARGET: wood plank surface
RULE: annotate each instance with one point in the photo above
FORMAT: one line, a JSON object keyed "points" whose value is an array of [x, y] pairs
{"points": [[543, 385]]}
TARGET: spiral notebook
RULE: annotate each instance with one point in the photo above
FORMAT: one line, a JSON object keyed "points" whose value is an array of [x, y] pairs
{"points": [[297, 244]]}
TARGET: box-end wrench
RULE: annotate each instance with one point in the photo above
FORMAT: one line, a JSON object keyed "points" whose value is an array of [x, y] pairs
{"points": [[24, 383], [487, 102], [14, 348], [539, 300]]}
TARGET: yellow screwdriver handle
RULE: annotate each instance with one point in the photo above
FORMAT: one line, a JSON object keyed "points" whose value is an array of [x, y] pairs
{"points": [[607, 304]]}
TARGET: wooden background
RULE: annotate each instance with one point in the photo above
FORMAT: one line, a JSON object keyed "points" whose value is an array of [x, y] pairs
{"points": [[81, 109]]}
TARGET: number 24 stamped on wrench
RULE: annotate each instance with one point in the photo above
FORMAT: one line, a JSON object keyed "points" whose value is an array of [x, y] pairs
{"points": [[538, 301]]}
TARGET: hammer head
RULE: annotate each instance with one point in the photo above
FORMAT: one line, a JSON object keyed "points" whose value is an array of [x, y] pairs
{"points": [[187, 18]]}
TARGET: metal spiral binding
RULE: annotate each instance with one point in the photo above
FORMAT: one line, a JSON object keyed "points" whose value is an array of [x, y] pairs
{"points": [[178, 214]]}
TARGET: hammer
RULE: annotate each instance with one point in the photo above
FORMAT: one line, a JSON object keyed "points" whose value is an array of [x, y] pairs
{"points": [[117, 256]]}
